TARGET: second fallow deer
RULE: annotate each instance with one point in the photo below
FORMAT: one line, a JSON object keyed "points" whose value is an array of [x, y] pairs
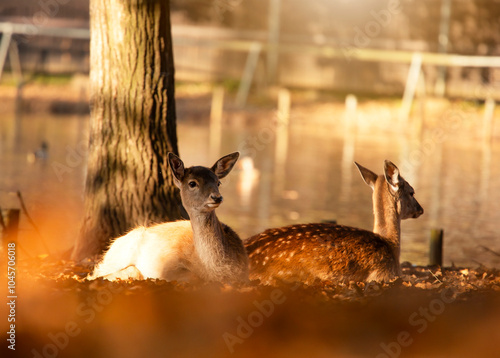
{"points": [[327, 252]]}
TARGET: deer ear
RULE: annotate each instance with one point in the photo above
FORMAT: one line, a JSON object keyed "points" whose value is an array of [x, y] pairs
{"points": [[223, 166], [368, 176], [177, 168], [391, 173]]}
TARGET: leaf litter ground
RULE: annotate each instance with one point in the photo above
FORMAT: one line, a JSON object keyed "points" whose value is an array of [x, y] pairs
{"points": [[429, 311]]}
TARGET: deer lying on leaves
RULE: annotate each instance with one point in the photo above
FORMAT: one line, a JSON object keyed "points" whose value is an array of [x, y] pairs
{"points": [[201, 248], [310, 252]]}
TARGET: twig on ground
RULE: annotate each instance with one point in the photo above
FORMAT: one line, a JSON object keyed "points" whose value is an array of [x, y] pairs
{"points": [[432, 273], [480, 264], [489, 250]]}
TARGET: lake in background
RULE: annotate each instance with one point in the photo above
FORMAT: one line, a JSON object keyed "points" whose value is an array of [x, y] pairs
{"points": [[456, 180]]}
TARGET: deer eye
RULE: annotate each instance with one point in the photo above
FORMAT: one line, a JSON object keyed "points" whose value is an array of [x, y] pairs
{"points": [[219, 184], [193, 184]]}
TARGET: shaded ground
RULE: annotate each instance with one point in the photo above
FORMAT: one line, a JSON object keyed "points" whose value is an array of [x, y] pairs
{"points": [[429, 312]]}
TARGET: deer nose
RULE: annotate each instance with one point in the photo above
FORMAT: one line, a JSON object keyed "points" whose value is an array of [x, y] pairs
{"points": [[217, 198], [420, 210]]}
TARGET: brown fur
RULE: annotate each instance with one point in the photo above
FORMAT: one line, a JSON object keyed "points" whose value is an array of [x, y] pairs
{"points": [[220, 252], [202, 248], [321, 252]]}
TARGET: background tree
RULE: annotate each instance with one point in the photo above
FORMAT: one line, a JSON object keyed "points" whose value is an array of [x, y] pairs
{"points": [[133, 121]]}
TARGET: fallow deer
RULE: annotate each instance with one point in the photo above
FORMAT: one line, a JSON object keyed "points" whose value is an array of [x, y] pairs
{"points": [[327, 252], [202, 248]]}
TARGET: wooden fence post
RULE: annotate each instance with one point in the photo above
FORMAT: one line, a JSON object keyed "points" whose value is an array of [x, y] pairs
{"points": [[436, 247], [489, 112], [216, 113], [281, 141], [11, 221], [410, 87]]}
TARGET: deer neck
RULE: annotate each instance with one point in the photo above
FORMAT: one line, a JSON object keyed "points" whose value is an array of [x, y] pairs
{"points": [[209, 242], [387, 221]]}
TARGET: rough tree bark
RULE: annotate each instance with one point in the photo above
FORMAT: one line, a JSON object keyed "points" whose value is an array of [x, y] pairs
{"points": [[133, 122]]}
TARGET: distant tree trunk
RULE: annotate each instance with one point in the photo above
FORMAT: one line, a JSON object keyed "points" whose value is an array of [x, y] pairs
{"points": [[133, 122]]}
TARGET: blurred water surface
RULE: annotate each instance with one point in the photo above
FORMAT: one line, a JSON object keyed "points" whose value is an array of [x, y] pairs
{"points": [[456, 181]]}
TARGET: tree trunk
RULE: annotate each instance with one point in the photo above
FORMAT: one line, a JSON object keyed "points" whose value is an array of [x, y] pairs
{"points": [[133, 122]]}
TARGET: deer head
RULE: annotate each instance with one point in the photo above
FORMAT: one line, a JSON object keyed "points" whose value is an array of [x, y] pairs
{"points": [[199, 185]]}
